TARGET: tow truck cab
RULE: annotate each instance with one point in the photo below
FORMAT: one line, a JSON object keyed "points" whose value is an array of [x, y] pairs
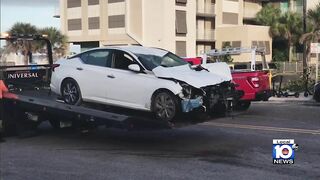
{"points": [[26, 61]]}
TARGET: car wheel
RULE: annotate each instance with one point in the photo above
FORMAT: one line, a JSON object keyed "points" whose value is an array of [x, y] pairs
{"points": [[242, 105], [317, 95], [165, 106], [70, 92]]}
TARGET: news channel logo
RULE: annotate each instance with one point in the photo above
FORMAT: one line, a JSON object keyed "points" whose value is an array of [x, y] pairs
{"points": [[283, 151]]}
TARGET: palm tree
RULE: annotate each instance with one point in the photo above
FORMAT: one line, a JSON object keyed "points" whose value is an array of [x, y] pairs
{"points": [[268, 15], [283, 27], [313, 35], [288, 27], [58, 40], [22, 28]]}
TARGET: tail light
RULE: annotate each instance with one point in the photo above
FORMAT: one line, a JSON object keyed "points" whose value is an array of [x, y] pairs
{"points": [[254, 81], [54, 66]]}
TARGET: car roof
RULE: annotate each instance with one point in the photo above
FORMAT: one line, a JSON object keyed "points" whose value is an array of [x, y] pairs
{"points": [[136, 50]]}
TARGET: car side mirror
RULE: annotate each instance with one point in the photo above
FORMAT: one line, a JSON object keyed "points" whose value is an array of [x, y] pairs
{"points": [[134, 67]]}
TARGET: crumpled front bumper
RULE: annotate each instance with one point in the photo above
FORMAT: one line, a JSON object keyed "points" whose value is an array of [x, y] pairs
{"points": [[213, 95], [188, 105]]}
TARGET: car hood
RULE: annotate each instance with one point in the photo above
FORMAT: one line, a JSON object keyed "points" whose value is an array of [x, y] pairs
{"points": [[218, 73]]}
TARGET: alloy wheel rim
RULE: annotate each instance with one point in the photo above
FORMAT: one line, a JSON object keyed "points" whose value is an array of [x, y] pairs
{"points": [[165, 107], [70, 93]]}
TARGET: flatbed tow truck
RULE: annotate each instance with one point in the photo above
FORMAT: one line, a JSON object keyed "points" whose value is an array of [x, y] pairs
{"points": [[30, 101]]}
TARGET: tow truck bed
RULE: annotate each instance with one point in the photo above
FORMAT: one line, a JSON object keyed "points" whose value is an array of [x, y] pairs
{"points": [[43, 102]]}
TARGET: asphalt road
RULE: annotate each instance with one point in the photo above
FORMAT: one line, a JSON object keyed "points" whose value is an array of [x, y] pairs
{"points": [[238, 147]]}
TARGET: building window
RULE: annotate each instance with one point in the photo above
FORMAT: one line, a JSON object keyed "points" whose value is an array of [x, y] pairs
{"points": [[181, 2], [181, 22], [229, 18], [267, 45], [115, 1], [236, 44], [231, 44], [93, 2], [181, 48], [262, 44], [117, 21], [94, 23], [74, 24], [73, 3]]}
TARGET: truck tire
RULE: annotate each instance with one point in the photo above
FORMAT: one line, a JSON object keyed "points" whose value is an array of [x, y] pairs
{"points": [[219, 109], [316, 95], [55, 124], [8, 123], [242, 105]]}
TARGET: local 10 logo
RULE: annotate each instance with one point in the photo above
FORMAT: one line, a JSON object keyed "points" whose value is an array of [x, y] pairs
{"points": [[283, 151]]}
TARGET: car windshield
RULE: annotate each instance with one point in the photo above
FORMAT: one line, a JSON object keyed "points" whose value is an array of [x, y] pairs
{"points": [[168, 60]]}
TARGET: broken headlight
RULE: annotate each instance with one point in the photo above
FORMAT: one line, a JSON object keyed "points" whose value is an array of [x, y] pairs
{"points": [[186, 90]]}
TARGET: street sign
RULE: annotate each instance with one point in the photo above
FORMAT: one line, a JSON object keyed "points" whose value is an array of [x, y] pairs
{"points": [[315, 48]]}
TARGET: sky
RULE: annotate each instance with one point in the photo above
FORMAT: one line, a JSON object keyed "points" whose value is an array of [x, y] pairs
{"points": [[37, 12]]}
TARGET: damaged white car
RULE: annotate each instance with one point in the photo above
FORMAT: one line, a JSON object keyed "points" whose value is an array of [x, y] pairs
{"points": [[141, 78]]}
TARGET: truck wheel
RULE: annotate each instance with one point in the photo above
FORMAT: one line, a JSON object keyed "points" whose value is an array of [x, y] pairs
{"points": [[55, 124], [316, 95], [165, 105], [9, 123], [242, 105], [70, 92], [219, 109]]}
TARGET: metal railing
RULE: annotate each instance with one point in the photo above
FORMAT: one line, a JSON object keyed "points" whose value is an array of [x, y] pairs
{"points": [[206, 35], [287, 67]]}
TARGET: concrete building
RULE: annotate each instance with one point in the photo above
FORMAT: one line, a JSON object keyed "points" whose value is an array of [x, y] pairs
{"points": [[185, 27]]}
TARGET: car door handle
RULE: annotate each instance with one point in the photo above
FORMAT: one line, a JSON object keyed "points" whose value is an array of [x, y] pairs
{"points": [[111, 76], [79, 69]]}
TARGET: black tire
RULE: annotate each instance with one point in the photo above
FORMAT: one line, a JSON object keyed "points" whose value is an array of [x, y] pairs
{"points": [[55, 124], [296, 94], [242, 105], [165, 106], [70, 92], [9, 124], [316, 95], [219, 109], [279, 94]]}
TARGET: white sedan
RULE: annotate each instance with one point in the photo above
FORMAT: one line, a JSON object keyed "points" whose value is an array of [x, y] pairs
{"points": [[140, 78]]}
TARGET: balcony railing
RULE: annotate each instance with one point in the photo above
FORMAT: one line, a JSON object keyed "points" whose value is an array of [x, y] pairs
{"points": [[206, 35], [207, 9]]}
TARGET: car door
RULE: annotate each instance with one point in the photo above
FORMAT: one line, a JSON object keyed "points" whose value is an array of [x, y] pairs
{"points": [[128, 88], [92, 74]]}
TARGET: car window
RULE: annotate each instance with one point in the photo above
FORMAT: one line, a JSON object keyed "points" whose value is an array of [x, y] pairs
{"points": [[97, 58], [168, 60], [122, 60]]}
